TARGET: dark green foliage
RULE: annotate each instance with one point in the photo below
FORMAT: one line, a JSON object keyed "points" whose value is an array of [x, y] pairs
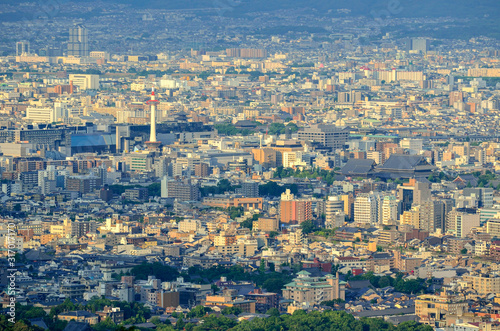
{"points": [[307, 227], [198, 311], [133, 312], [222, 187], [323, 321], [273, 189], [271, 281], [230, 130], [331, 303], [232, 311], [213, 322], [280, 128], [163, 272], [409, 286], [153, 189], [483, 180], [248, 223], [325, 175], [235, 212]]}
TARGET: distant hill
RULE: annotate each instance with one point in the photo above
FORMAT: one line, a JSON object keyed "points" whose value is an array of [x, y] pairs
{"points": [[482, 15], [403, 8]]}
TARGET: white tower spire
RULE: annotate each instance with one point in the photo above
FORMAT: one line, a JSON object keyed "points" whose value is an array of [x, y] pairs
{"points": [[152, 136]]}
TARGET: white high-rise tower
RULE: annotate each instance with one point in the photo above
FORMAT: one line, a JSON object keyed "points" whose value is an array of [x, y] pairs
{"points": [[153, 101], [153, 144]]}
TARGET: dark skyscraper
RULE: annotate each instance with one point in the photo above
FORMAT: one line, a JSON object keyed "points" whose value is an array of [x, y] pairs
{"points": [[78, 41], [22, 47]]}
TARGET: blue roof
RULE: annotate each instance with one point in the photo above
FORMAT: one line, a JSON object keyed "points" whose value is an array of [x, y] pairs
{"points": [[89, 140]]}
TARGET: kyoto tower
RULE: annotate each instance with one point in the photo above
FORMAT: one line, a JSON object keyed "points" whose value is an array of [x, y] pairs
{"points": [[153, 144]]}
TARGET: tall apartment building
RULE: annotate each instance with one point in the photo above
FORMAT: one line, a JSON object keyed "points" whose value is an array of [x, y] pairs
{"points": [[389, 210], [460, 221], [428, 216], [83, 184], [78, 44], [432, 216], [493, 227], [411, 217], [418, 44], [294, 211], [181, 190], [455, 96], [348, 200], [267, 157], [484, 196], [138, 193], [366, 209], [413, 192], [249, 189], [201, 170], [334, 212], [81, 228]]}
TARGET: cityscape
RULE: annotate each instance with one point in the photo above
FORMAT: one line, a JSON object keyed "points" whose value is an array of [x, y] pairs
{"points": [[248, 165]]}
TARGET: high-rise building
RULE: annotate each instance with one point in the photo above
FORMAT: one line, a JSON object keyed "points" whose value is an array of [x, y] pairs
{"points": [[455, 96], [22, 47], [460, 221], [413, 192], [419, 45], [484, 196], [432, 216], [249, 189], [181, 190], [389, 210], [83, 184], [348, 200], [201, 170], [334, 212], [78, 41], [365, 209], [294, 211], [85, 82]]}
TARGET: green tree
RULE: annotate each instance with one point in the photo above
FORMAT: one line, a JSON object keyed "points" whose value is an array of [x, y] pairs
{"points": [[274, 285], [105, 325], [213, 322], [262, 266], [273, 312], [307, 227], [160, 271], [198, 311], [231, 311]]}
